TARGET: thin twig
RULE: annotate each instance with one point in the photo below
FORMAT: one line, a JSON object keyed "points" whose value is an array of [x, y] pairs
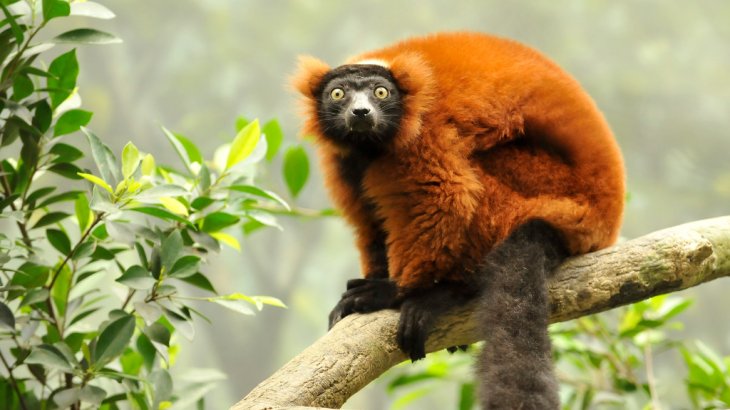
{"points": [[14, 382], [650, 379]]}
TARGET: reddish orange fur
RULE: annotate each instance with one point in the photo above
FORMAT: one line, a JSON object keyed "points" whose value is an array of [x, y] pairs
{"points": [[451, 185]]}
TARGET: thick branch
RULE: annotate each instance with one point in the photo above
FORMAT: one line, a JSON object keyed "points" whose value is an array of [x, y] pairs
{"points": [[361, 347]]}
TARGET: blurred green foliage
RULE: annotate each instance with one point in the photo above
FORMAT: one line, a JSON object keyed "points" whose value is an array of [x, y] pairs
{"points": [[604, 361], [70, 337]]}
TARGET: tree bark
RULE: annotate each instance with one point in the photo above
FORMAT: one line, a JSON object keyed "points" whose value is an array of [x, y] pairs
{"points": [[361, 347]]}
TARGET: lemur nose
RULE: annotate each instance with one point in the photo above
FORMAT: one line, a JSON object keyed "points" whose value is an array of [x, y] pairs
{"points": [[361, 112]]}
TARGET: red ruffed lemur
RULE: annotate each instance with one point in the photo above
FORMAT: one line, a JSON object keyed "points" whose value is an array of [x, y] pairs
{"points": [[470, 166]]}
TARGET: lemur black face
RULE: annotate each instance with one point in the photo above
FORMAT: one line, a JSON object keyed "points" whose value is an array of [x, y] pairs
{"points": [[359, 106]]}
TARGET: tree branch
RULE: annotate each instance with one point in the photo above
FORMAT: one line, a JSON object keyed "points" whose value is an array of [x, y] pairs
{"points": [[361, 347]]}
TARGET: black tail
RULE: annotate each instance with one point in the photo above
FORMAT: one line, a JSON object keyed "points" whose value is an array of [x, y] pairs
{"points": [[516, 367]]}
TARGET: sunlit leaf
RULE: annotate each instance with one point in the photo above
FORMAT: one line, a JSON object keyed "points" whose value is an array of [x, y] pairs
{"points": [[244, 143], [148, 165], [173, 205], [227, 239], [130, 160], [96, 180]]}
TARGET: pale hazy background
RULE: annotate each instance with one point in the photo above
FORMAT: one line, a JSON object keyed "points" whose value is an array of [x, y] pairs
{"points": [[660, 71]]}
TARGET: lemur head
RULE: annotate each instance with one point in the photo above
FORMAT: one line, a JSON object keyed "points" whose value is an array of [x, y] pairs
{"points": [[369, 104], [359, 105]]}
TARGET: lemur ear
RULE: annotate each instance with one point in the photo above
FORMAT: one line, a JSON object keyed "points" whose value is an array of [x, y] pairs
{"points": [[415, 78], [413, 74], [308, 76]]}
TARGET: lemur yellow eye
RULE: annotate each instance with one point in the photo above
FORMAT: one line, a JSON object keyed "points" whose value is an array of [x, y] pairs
{"points": [[337, 94], [381, 92]]}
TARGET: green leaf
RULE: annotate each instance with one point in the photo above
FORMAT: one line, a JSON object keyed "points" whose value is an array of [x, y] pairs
{"points": [[83, 212], [67, 397], [64, 70], [256, 191], [113, 340], [86, 36], [274, 138], [30, 275], [50, 218], [43, 116], [7, 319], [264, 218], [49, 357], [36, 71], [65, 152], [104, 158], [244, 143], [71, 121], [91, 9], [66, 170], [170, 250], [137, 277], [158, 191], [158, 333], [296, 169], [200, 281], [17, 31], [38, 194], [200, 202], [55, 8], [35, 296], [60, 290], [92, 394], [234, 305], [59, 240], [96, 180], [216, 221], [185, 266], [186, 150], [130, 160], [22, 87], [467, 398], [162, 387]]}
